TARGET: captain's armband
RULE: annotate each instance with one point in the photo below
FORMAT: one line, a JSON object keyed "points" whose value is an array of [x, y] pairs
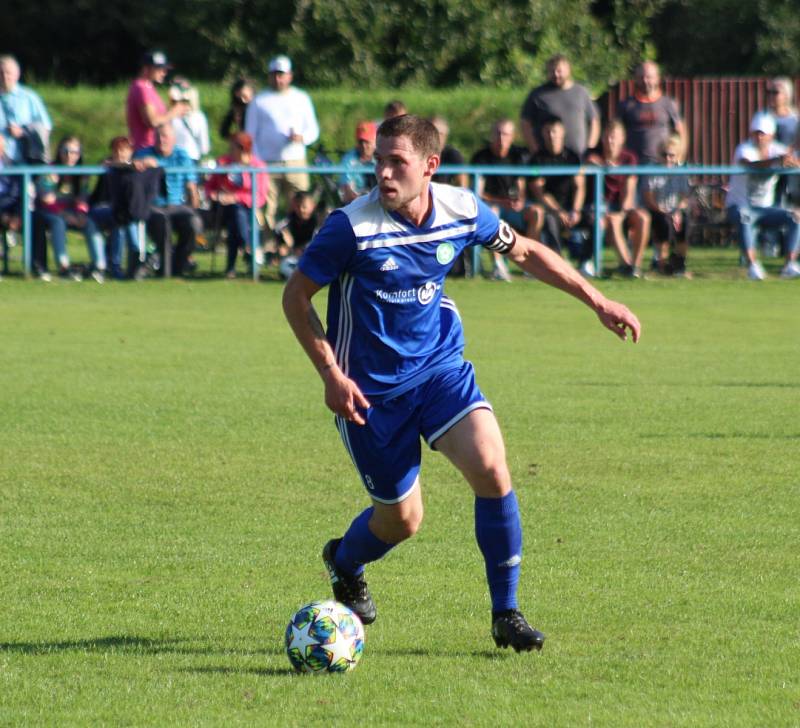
{"points": [[503, 242]]}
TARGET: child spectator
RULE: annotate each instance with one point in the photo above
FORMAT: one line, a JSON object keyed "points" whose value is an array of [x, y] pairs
{"points": [[233, 194], [667, 199], [295, 231], [61, 205], [191, 129]]}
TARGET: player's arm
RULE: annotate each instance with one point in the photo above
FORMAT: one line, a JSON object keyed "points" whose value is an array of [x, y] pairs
{"points": [[549, 267], [342, 395]]}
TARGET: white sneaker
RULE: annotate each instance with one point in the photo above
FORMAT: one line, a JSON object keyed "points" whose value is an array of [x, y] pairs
{"points": [[756, 271], [791, 270], [586, 269]]}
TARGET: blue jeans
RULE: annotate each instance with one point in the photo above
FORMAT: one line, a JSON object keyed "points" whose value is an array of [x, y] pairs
{"points": [[237, 222], [103, 218], [57, 225], [747, 219]]}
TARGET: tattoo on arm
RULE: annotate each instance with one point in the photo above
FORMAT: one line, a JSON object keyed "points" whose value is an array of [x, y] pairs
{"points": [[315, 323]]}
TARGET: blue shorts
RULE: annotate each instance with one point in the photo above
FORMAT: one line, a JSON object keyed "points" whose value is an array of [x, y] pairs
{"points": [[386, 450]]}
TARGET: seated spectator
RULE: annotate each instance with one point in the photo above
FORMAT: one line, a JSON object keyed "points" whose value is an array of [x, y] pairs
{"points": [[505, 193], [106, 218], [751, 197], [294, 232], [560, 198], [667, 199], [61, 205], [355, 184], [174, 208], [9, 193], [24, 121], [619, 195], [242, 93], [233, 193], [191, 128], [448, 155]]}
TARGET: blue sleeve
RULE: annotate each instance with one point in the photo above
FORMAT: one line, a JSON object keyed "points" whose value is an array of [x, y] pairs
{"points": [[330, 251], [487, 224]]}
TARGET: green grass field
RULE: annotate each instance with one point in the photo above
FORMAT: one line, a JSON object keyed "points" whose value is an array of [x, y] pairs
{"points": [[169, 475]]}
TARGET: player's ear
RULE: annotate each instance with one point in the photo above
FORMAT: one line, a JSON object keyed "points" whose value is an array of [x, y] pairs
{"points": [[433, 162]]}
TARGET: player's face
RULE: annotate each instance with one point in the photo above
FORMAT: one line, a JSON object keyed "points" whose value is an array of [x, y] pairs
{"points": [[403, 173]]}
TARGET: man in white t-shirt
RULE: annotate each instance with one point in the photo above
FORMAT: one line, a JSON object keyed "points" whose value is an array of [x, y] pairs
{"points": [[751, 197], [282, 123]]}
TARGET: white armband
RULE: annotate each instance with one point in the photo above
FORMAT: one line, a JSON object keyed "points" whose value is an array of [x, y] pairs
{"points": [[503, 242]]}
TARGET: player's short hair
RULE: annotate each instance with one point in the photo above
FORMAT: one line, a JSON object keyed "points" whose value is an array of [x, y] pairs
{"points": [[423, 135]]}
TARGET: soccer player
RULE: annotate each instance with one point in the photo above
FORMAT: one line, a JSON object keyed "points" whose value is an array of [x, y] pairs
{"points": [[392, 363]]}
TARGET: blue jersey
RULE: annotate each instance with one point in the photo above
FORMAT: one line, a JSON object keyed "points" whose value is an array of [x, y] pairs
{"points": [[389, 322]]}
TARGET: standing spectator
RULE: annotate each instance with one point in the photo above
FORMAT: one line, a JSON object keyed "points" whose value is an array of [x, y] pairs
{"points": [[561, 97], [667, 199], [242, 92], [174, 208], [505, 193], [751, 197], [560, 198], [61, 205], [619, 195], [780, 98], [282, 123], [144, 108], [354, 184], [24, 121], [649, 116], [233, 193], [191, 128]]}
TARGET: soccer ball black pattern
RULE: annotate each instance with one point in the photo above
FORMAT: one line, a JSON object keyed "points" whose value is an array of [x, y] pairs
{"points": [[324, 636]]}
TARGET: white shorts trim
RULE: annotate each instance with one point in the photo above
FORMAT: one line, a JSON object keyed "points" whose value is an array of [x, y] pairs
{"points": [[392, 501], [483, 404]]}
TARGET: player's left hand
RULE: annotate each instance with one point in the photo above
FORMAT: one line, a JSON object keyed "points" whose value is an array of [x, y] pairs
{"points": [[619, 318]]}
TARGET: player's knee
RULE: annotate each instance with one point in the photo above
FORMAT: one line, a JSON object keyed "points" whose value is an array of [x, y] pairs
{"points": [[399, 527], [491, 477]]}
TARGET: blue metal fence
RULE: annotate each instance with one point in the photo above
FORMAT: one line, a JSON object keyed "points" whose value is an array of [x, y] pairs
{"points": [[599, 173]]}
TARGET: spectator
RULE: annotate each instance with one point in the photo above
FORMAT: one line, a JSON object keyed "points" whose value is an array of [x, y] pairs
{"points": [[242, 93], [174, 208], [102, 212], [561, 97], [354, 184], [61, 205], [750, 200], [560, 198], [780, 97], [295, 231], [505, 193], [144, 108], [394, 108], [24, 121], [667, 199], [649, 116], [191, 128], [282, 123], [9, 193], [448, 155], [620, 200], [233, 193]]}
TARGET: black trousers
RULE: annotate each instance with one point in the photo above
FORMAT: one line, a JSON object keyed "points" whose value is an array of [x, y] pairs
{"points": [[180, 219]]}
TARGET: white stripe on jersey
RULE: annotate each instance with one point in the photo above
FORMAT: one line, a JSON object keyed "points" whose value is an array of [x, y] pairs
{"points": [[345, 332], [439, 234]]}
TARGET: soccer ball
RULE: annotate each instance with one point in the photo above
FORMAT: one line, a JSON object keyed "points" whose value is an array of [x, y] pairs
{"points": [[287, 266], [324, 637]]}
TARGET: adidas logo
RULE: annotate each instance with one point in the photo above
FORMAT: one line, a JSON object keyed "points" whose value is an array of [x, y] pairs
{"points": [[390, 264], [515, 560]]}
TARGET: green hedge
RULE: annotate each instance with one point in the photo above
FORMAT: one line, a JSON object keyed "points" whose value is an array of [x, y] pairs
{"points": [[96, 115]]}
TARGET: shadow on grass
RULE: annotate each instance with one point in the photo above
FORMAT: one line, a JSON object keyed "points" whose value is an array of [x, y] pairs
{"points": [[445, 654], [258, 671], [126, 644]]}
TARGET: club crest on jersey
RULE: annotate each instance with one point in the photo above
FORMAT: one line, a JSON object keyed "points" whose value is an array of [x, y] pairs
{"points": [[445, 252], [426, 292]]}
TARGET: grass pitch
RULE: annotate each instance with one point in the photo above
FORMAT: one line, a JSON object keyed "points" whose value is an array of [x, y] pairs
{"points": [[169, 475]]}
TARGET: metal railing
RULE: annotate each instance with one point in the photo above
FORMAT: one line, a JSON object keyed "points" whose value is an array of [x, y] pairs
{"points": [[29, 172]]}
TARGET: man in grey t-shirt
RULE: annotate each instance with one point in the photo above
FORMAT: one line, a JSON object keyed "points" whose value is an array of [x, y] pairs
{"points": [[563, 99]]}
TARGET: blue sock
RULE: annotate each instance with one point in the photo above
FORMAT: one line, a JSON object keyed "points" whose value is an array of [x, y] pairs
{"points": [[499, 534], [360, 546]]}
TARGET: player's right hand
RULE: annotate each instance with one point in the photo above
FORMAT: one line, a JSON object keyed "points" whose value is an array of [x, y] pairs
{"points": [[343, 397]]}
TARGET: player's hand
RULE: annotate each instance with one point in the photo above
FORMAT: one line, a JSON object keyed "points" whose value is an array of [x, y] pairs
{"points": [[343, 397], [619, 318]]}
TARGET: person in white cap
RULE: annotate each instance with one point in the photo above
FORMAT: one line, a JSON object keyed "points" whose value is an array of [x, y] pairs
{"points": [[282, 122], [751, 197]]}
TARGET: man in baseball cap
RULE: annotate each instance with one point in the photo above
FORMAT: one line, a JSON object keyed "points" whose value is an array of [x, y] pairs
{"points": [[353, 184]]}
